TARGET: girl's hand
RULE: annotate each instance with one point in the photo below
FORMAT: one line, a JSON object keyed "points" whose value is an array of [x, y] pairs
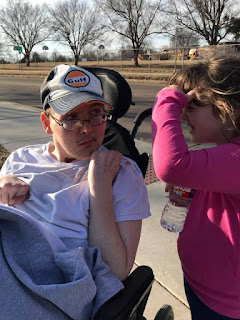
{"points": [[168, 187], [190, 95]]}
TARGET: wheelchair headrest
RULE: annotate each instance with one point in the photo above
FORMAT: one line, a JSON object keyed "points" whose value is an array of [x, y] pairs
{"points": [[116, 90]]}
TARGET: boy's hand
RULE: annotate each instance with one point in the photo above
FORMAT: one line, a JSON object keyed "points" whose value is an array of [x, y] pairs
{"points": [[104, 166], [13, 190]]}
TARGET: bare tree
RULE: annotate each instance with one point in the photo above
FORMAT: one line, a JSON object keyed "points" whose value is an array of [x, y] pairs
{"points": [[75, 25], [208, 18], [24, 25], [184, 38], [135, 20], [235, 28]]}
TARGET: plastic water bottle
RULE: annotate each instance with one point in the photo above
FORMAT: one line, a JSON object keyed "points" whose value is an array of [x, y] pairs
{"points": [[175, 211]]}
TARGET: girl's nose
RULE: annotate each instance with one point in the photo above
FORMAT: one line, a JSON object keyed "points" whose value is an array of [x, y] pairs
{"points": [[184, 115]]}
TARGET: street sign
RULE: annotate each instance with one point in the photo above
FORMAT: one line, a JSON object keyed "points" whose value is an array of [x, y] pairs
{"points": [[18, 48]]}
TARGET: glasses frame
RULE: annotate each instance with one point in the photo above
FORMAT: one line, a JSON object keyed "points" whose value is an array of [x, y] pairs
{"points": [[61, 123]]}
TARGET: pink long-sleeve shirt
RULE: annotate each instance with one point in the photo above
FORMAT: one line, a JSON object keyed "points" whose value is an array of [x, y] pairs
{"points": [[209, 245]]}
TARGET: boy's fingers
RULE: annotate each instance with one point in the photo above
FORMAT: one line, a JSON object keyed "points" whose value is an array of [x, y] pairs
{"points": [[18, 200], [13, 196]]}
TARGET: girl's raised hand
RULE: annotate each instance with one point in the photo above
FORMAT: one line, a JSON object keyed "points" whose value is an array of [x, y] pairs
{"points": [[190, 95]]}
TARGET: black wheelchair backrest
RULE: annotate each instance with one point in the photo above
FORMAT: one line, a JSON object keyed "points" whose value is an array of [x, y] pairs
{"points": [[116, 90]]}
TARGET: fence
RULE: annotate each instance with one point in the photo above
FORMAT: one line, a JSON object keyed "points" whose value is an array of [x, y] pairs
{"points": [[170, 58]]}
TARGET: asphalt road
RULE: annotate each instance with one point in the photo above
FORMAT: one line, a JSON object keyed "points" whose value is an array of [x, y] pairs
{"points": [[25, 91]]}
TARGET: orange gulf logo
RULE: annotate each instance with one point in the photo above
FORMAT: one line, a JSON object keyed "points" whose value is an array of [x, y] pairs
{"points": [[77, 79]]}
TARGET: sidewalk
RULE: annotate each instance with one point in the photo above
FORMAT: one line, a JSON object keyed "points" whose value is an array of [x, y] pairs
{"points": [[158, 249], [21, 126]]}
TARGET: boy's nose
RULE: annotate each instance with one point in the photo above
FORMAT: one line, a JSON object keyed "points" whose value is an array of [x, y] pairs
{"points": [[86, 127]]}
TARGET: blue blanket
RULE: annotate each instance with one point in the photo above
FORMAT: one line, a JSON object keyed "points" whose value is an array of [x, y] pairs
{"points": [[42, 279]]}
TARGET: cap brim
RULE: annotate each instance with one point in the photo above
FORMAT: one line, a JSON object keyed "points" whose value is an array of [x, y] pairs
{"points": [[74, 99]]}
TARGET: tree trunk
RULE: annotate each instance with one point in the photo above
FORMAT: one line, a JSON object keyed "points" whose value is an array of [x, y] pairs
{"points": [[135, 58], [76, 57], [27, 59]]}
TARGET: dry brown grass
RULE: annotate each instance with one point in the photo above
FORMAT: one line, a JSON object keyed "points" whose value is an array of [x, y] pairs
{"points": [[143, 63], [3, 155], [152, 68]]}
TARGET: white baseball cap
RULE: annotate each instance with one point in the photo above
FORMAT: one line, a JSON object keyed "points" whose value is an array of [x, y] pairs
{"points": [[69, 86]]}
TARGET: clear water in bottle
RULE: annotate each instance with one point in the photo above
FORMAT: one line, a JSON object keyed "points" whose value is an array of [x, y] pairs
{"points": [[175, 211]]}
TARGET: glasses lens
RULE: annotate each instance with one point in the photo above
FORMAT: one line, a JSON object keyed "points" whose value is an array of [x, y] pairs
{"points": [[98, 120], [72, 124], [76, 123]]}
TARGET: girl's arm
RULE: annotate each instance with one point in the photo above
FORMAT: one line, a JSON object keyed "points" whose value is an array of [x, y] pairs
{"points": [[213, 169]]}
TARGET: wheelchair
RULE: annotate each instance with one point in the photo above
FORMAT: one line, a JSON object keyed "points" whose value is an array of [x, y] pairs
{"points": [[129, 303]]}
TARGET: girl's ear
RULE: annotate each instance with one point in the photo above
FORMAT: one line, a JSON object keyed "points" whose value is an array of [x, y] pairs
{"points": [[45, 123]]}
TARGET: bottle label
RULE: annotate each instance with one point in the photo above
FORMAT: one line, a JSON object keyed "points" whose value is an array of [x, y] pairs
{"points": [[183, 192]]}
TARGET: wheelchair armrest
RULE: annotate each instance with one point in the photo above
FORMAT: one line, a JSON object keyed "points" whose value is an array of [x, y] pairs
{"points": [[124, 303], [118, 138], [139, 119]]}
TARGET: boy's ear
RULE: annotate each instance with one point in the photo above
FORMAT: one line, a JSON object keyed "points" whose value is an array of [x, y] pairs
{"points": [[45, 123]]}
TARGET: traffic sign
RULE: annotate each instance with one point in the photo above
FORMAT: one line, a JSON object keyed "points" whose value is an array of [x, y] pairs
{"points": [[18, 48]]}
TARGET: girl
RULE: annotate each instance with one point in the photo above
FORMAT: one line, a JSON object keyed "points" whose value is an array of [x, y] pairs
{"points": [[207, 96]]}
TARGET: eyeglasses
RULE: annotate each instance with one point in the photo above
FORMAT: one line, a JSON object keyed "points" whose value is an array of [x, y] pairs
{"points": [[73, 124]]}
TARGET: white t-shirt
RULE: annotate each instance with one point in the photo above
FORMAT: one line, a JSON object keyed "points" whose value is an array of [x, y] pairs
{"points": [[59, 192]]}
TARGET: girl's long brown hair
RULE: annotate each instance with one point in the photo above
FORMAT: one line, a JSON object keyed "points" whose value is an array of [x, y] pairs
{"points": [[219, 79]]}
